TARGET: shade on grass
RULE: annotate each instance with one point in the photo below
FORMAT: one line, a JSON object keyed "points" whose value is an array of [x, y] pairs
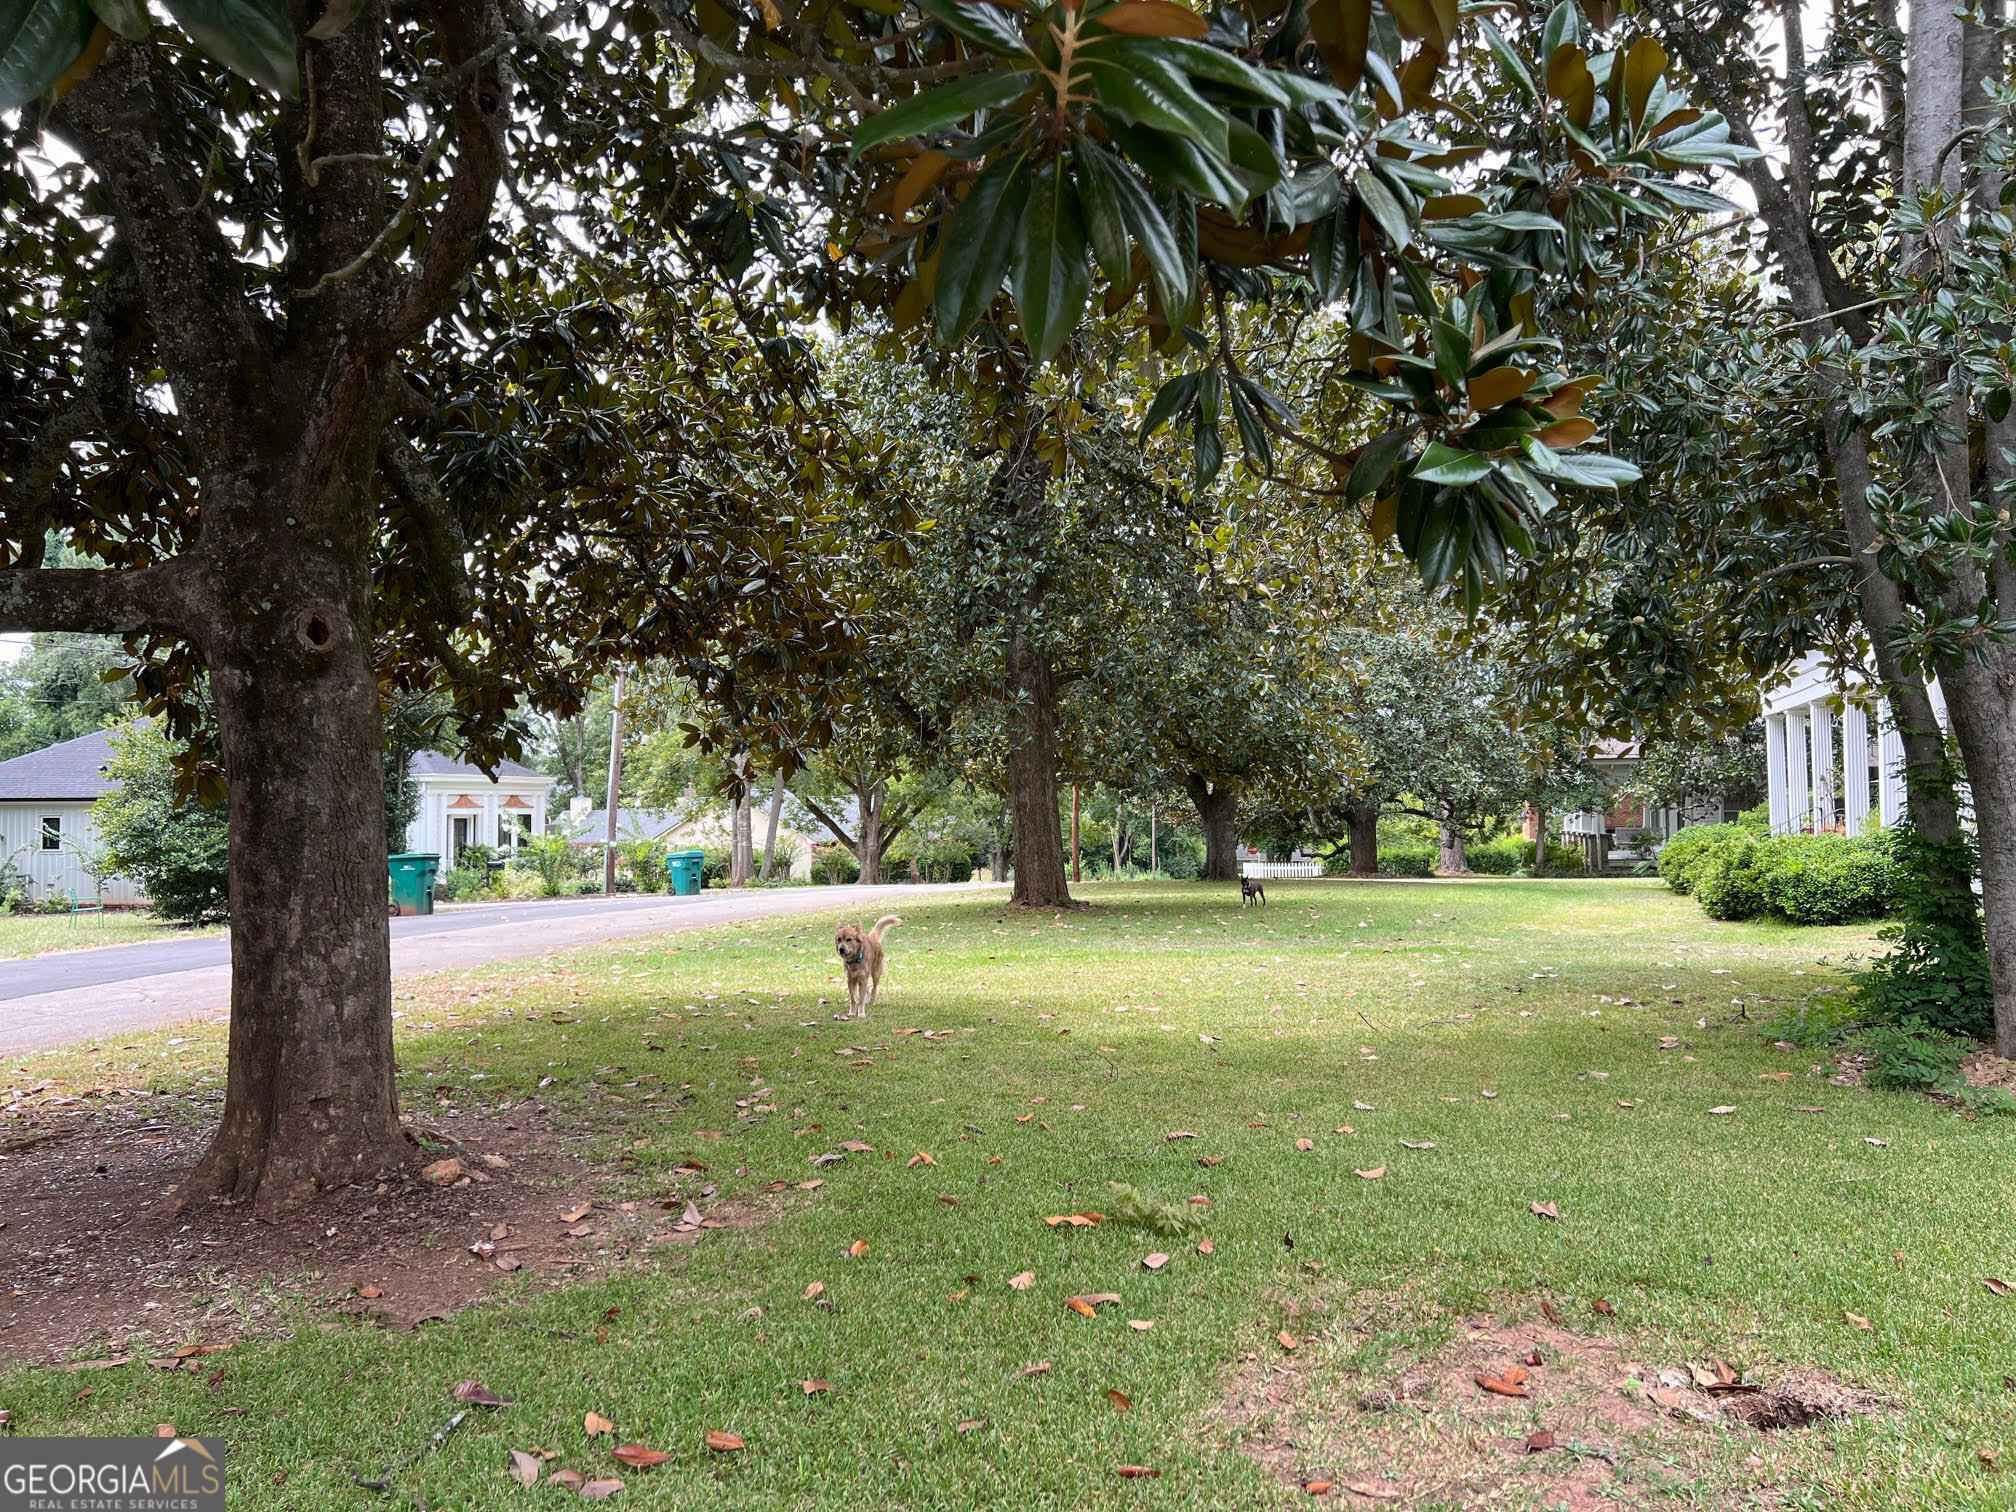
{"points": [[1065, 1049]]}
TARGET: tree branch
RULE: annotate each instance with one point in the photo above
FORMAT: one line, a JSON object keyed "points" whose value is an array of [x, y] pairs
{"points": [[104, 601], [443, 546], [210, 338], [482, 104], [812, 805]]}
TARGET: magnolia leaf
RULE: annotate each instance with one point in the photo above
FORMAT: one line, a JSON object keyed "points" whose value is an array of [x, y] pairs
{"points": [[126, 17], [39, 39], [1048, 276], [976, 252], [1444, 464], [941, 106], [249, 37], [1153, 18]]}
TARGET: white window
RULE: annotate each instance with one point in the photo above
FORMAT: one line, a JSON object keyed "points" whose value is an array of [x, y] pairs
{"points": [[52, 832]]}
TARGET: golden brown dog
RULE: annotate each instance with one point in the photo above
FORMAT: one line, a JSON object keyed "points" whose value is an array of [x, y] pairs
{"points": [[862, 952]]}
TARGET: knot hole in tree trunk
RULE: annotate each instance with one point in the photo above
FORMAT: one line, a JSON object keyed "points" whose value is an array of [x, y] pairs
{"points": [[318, 629]]}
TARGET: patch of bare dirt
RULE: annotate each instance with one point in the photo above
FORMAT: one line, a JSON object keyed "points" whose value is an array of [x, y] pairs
{"points": [[1985, 1068], [88, 1268], [1526, 1414]]}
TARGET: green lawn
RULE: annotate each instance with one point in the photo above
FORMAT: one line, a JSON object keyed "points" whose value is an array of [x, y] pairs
{"points": [[1747, 1235], [27, 934]]}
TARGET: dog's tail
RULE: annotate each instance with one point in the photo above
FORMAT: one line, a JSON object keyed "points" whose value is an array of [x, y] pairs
{"points": [[881, 924]]}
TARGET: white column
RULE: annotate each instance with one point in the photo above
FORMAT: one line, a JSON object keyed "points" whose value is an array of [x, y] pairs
{"points": [[1890, 767], [1820, 737], [1774, 772], [1855, 768], [1798, 772]]}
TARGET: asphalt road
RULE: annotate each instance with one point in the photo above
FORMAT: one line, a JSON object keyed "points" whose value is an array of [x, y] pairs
{"points": [[77, 995]]}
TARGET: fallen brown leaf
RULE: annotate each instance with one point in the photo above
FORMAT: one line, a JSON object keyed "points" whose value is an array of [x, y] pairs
{"points": [[922, 1157], [857, 1249], [1858, 1320], [442, 1173], [813, 1385], [601, 1488], [1140, 1325], [575, 1215], [723, 1443], [637, 1457], [524, 1467], [1511, 1384], [1725, 1108], [369, 1292], [1372, 1175], [1175, 1134], [1548, 1311], [1137, 1472], [1157, 1260], [1080, 1305], [1305, 1144], [478, 1395], [1041, 1367], [958, 1296], [948, 1199], [1545, 1210], [1375, 1493], [1204, 1245], [1022, 1281], [1120, 1400], [1344, 1129], [573, 1480], [1319, 1487], [1210, 1160], [969, 1424], [1538, 1442], [595, 1425], [1603, 1307], [1999, 1288], [812, 1289], [1287, 1341]]}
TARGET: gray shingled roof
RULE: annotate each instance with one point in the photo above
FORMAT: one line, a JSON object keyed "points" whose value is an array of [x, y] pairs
{"points": [[631, 824], [434, 764], [72, 770]]}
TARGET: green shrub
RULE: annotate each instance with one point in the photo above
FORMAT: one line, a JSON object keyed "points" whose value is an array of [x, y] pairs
{"points": [[1408, 860], [1938, 972], [1180, 855], [175, 849], [1688, 852], [833, 866], [1828, 879], [464, 884], [1510, 854], [1825, 1017], [1912, 1056], [1729, 884]]}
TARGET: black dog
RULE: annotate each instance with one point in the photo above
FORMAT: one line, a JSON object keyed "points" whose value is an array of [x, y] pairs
{"points": [[1250, 890]]}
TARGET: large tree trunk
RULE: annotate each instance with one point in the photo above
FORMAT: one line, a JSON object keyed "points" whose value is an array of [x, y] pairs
{"points": [[310, 1103], [868, 850], [1361, 831], [770, 833], [741, 828], [1218, 813], [1451, 862], [1032, 782]]}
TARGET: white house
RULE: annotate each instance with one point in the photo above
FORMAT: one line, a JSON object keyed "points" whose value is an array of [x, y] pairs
{"points": [[700, 830], [461, 807], [1829, 773], [45, 817]]}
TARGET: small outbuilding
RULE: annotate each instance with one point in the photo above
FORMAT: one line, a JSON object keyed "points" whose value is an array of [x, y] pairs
{"points": [[46, 829]]}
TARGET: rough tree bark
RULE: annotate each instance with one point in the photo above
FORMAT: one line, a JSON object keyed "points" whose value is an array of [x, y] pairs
{"points": [[1450, 861], [1361, 832], [876, 832], [741, 827], [284, 428], [770, 832], [1016, 495], [1218, 812]]}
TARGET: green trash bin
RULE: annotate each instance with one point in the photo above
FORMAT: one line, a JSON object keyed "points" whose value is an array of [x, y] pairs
{"points": [[413, 875], [685, 869]]}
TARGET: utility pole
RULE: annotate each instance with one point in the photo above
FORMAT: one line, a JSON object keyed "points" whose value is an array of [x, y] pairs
{"points": [[776, 808], [1074, 832], [615, 782]]}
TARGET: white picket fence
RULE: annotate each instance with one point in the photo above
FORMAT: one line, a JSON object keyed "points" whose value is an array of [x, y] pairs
{"points": [[1271, 871]]}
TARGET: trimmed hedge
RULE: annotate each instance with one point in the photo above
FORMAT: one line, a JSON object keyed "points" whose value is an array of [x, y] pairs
{"points": [[1492, 858], [1734, 873]]}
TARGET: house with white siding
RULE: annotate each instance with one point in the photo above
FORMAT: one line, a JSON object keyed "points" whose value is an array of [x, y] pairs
{"points": [[461, 806], [1830, 764], [45, 817]]}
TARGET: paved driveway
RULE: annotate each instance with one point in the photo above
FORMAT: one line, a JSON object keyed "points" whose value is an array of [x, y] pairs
{"points": [[120, 989]]}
